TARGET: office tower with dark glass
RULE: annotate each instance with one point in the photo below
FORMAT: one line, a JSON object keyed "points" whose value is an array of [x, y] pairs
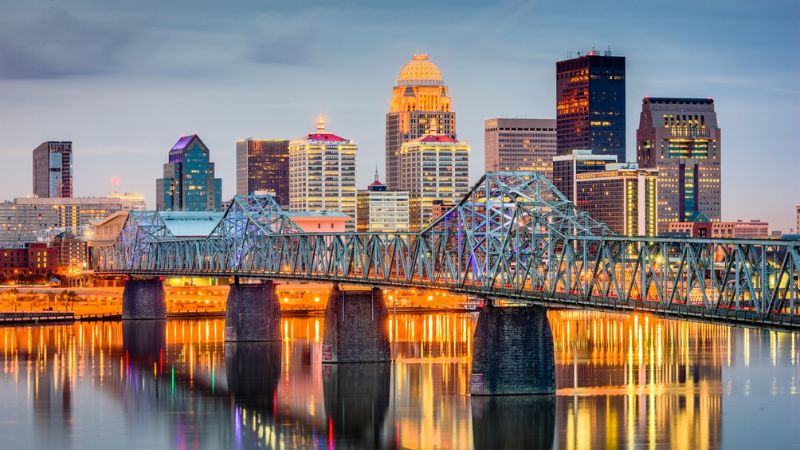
{"points": [[189, 183], [590, 104], [527, 145], [262, 165], [419, 101], [680, 137], [52, 170]]}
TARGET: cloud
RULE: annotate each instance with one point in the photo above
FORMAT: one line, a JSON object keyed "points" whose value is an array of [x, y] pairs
{"points": [[54, 43]]}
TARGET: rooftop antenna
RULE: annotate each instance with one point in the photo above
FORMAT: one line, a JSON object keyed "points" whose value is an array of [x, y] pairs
{"points": [[376, 173], [608, 51]]}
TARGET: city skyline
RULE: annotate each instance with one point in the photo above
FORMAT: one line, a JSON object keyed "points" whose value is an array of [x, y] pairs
{"points": [[121, 118]]}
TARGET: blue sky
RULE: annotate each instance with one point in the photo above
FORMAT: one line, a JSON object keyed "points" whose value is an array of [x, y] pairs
{"points": [[124, 82]]}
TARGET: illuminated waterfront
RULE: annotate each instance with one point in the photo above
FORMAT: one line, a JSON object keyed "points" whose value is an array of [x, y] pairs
{"points": [[623, 381]]}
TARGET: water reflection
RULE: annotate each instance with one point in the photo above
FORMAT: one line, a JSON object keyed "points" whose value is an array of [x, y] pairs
{"points": [[623, 381]]}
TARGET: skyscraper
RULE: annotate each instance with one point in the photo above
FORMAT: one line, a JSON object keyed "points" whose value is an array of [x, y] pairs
{"points": [[566, 169], [622, 196], [189, 183], [680, 138], [52, 170], [434, 167], [419, 98], [520, 145], [263, 165], [590, 104], [322, 174]]}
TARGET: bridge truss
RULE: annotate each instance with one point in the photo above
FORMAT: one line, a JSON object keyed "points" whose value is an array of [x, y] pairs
{"points": [[513, 237]]}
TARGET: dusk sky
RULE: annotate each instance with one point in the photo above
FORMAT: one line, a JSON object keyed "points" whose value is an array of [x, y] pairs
{"points": [[125, 82]]}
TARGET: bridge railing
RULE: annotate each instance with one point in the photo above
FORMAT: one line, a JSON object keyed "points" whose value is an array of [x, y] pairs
{"points": [[744, 280]]}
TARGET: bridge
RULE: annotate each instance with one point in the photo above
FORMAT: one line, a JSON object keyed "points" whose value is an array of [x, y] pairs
{"points": [[514, 240]]}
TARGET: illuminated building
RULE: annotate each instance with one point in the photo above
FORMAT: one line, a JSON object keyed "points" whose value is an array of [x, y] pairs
{"points": [[262, 165], [71, 254], [380, 210], [527, 145], [433, 167], [622, 196], [322, 174], [188, 183], [52, 170], [752, 229], [590, 104], [680, 138], [23, 218], [131, 201], [567, 167], [419, 98], [34, 259]]}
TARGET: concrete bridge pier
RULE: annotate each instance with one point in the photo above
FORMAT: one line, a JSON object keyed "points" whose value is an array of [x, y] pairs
{"points": [[512, 352], [355, 327], [253, 313], [143, 299]]}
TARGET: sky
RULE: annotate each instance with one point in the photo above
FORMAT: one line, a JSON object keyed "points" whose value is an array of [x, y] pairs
{"points": [[124, 80]]}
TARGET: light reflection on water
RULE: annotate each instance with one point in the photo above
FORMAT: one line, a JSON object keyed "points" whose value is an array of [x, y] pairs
{"points": [[623, 381]]}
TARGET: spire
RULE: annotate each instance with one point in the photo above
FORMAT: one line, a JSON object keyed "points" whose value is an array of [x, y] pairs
{"points": [[320, 124], [376, 172]]}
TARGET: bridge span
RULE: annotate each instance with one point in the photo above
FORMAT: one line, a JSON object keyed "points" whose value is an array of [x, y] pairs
{"points": [[513, 240]]}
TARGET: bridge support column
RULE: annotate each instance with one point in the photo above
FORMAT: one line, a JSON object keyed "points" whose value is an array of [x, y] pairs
{"points": [[512, 352], [253, 313], [355, 327], [143, 299]]}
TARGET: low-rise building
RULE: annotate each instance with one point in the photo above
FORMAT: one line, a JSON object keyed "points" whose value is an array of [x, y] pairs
{"points": [[382, 211], [32, 261]]}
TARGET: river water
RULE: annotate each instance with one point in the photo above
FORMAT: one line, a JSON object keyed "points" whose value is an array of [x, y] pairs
{"points": [[624, 381]]}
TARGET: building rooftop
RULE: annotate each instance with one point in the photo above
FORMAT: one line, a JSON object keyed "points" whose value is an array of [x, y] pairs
{"points": [[183, 142], [678, 100], [419, 71]]}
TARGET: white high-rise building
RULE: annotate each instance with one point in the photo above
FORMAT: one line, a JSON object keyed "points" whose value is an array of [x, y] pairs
{"points": [[322, 174], [433, 168]]}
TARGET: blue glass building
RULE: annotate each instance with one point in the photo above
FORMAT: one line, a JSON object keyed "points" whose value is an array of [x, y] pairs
{"points": [[189, 183]]}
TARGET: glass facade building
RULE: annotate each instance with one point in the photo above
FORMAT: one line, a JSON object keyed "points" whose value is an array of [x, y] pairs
{"points": [[52, 170], [262, 165], [420, 102], [681, 139], [382, 211], [188, 183], [566, 169], [590, 104]]}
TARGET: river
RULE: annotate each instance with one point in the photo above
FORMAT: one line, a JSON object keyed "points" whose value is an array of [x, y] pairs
{"points": [[624, 381]]}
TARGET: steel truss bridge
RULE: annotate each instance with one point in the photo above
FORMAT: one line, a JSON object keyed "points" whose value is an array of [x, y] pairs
{"points": [[514, 236]]}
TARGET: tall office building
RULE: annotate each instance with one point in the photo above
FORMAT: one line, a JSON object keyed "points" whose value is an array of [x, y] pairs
{"points": [[322, 174], [189, 183], [680, 138], [382, 211], [52, 170], [419, 99], [622, 196], [566, 169], [590, 104], [527, 145], [434, 167], [262, 165]]}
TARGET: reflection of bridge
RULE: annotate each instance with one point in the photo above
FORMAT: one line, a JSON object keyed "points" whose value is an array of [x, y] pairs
{"points": [[514, 236]]}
